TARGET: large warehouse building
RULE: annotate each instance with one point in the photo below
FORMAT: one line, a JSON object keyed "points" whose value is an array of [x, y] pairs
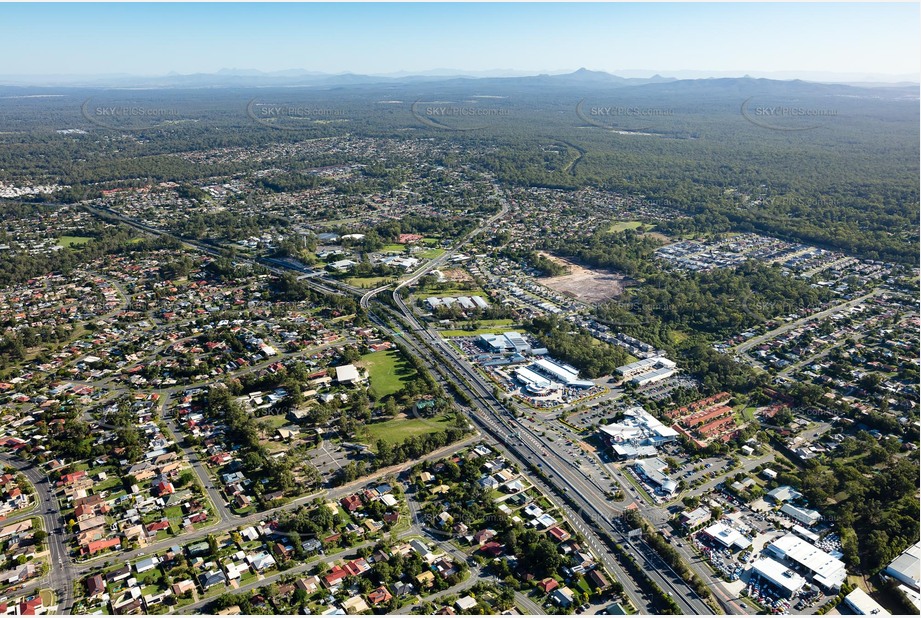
{"points": [[647, 370], [863, 604], [728, 537], [824, 569], [652, 471], [504, 343], [545, 376], [781, 577], [637, 434], [907, 567], [805, 516], [561, 373], [534, 383]]}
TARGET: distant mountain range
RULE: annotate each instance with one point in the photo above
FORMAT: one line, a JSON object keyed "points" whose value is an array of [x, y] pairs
{"points": [[251, 78]]}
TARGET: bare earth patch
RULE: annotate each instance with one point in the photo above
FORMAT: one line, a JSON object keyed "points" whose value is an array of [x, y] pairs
{"points": [[585, 284], [658, 236], [457, 274]]}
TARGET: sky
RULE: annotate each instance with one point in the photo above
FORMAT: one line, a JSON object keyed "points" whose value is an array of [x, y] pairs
{"points": [[156, 39]]}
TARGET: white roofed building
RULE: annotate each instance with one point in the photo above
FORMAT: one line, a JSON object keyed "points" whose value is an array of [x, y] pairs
{"points": [[692, 519], [907, 567], [727, 536], [504, 343], [518, 342], [343, 264], [783, 578], [637, 435], [863, 604], [805, 516], [534, 383], [651, 470], [651, 377], [645, 365], [803, 533], [560, 372], [465, 302], [784, 493], [826, 570], [347, 374]]}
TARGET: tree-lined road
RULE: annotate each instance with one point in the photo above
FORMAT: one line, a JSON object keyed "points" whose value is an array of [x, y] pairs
{"points": [[594, 518]]}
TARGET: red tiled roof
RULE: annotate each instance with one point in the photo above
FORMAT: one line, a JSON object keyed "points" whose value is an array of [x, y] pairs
{"points": [[381, 595], [335, 576]]}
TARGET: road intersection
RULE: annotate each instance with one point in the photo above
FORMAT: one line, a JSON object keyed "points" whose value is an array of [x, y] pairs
{"points": [[581, 496]]}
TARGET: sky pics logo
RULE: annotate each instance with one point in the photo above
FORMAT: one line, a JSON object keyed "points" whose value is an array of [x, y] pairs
{"points": [[621, 118], [778, 116], [126, 116], [288, 117], [468, 115]]}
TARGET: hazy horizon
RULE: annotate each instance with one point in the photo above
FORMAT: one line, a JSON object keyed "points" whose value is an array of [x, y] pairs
{"points": [[124, 80], [821, 42]]}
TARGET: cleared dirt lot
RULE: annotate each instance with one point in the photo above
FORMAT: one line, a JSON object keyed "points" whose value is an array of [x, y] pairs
{"points": [[585, 284], [457, 274]]}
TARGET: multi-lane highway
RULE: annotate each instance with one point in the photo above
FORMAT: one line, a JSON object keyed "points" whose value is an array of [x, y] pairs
{"points": [[522, 445], [587, 508]]}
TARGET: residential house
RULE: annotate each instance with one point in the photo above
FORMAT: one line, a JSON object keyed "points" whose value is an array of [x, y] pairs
{"points": [[379, 595], [147, 564], [403, 589], [157, 526], [119, 574], [308, 584], [312, 545], [444, 567], [211, 579], [355, 605], [94, 547], [357, 566], [558, 534], [492, 548], [562, 596], [95, 586], [597, 579], [335, 576], [548, 585], [465, 603], [182, 587], [351, 503], [83, 512], [261, 561]]}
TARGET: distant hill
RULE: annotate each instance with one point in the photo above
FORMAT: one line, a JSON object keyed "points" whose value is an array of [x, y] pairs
{"points": [[249, 78]]}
